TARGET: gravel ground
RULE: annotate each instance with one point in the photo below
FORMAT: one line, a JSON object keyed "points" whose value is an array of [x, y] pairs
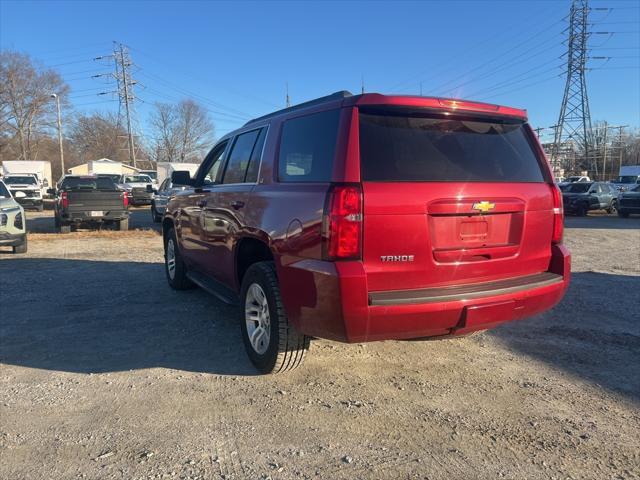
{"points": [[107, 373]]}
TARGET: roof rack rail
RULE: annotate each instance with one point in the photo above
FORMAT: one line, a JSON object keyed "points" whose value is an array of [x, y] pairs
{"points": [[317, 101]]}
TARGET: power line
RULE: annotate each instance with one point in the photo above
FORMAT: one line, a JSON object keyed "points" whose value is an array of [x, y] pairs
{"points": [[455, 60]]}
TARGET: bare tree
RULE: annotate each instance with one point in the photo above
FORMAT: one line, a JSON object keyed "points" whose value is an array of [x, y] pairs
{"points": [[98, 135], [26, 109], [180, 132]]}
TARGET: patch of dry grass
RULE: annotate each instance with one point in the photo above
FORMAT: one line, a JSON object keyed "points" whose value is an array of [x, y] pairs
{"points": [[109, 234]]}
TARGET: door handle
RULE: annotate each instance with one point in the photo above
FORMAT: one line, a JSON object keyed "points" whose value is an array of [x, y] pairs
{"points": [[237, 204], [202, 203]]}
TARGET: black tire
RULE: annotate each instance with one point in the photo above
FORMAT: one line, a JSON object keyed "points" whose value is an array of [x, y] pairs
{"points": [[123, 224], [177, 279], [21, 248], [56, 222], [157, 218], [41, 207], [613, 208], [285, 347], [581, 210], [64, 228], [623, 214]]}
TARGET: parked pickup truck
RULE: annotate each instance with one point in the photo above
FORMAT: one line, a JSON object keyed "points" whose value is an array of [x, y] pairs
{"points": [[370, 217], [89, 200], [136, 187]]}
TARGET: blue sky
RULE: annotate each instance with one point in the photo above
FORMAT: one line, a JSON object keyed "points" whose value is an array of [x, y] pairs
{"points": [[236, 58]]}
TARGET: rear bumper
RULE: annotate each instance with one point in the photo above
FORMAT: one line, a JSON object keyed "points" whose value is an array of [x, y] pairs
{"points": [[86, 217], [337, 305], [29, 201]]}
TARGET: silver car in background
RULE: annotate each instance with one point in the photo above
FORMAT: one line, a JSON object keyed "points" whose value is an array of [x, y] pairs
{"points": [[161, 197]]}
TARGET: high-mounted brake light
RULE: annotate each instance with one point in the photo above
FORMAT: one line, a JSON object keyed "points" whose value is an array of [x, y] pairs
{"points": [[65, 200], [558, 215], [463, 105], [343, 223]]}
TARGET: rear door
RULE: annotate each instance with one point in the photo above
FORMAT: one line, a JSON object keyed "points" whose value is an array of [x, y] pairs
{"points": [[451, 200]]}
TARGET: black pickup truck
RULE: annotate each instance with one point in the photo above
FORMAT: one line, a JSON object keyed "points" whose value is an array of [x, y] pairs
{"points": [[89, 200]]}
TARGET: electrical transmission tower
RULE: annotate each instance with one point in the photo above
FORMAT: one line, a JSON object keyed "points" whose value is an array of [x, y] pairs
{"points": [[574, 122], [126, 94]]}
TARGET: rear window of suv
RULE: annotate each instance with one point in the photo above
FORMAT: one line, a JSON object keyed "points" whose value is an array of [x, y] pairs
{"points": [[418, 148], [307, 147]]}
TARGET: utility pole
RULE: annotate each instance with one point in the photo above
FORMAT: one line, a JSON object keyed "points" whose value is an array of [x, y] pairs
{"points": [[574, 122], [287, 99], [125, 84], [362, 84], [57, 98], [620, 128], [604, 154]]}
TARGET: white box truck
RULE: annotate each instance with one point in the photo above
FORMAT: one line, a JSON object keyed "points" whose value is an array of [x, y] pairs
{"points": [[165, 169], [628, 178], [40, 168]]}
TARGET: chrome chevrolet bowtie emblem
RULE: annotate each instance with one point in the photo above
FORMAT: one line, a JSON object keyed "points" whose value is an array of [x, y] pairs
{"points": [[483, 206]]}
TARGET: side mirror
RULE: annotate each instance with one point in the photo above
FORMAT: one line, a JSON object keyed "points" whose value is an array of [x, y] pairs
{"points": [[181, 177], [149, 188], [51, 191]]}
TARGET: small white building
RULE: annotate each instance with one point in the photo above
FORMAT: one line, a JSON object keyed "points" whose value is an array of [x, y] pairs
{"points": [[103, 165]]}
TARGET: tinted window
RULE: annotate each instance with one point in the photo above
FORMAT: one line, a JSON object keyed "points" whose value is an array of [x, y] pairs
{"points": [[213, 163], [27, 180], [396, 147], [577, 187], [88, 183], [254, 163], [239, 157], [4, 192], [307, 148]]}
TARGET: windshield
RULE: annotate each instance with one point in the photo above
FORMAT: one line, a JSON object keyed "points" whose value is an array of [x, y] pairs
{"points": [[88, 183], [26, 180], [4, 193], [572, 179], [577, 187], [414, 147], [152, 175], [627, 179], [113, 176], [137, 179]]}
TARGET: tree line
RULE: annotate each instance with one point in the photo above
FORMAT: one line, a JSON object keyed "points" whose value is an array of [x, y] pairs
{"points": [[178, 132]]}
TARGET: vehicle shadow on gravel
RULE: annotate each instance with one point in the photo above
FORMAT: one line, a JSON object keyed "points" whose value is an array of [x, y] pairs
{"points": [[593, 334], [602, 221], [93, 317]]}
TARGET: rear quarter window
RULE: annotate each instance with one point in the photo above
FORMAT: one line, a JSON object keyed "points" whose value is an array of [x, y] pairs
{"points": [[307, 147], [411, 148]]}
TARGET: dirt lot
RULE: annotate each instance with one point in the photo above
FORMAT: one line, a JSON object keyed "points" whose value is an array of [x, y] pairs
{"points": [[107, 373]]}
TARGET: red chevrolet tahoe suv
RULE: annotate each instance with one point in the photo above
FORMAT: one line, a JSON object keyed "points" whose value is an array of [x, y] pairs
{"points": [[371, 217]]}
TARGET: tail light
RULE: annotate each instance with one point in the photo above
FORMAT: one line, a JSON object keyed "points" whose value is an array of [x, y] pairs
{"points": [[65, 200], [558, 215], [125, 199], [343, 223]]}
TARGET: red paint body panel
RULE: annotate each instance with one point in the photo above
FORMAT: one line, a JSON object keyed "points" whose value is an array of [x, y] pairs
{"points": [[451, 242]]}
